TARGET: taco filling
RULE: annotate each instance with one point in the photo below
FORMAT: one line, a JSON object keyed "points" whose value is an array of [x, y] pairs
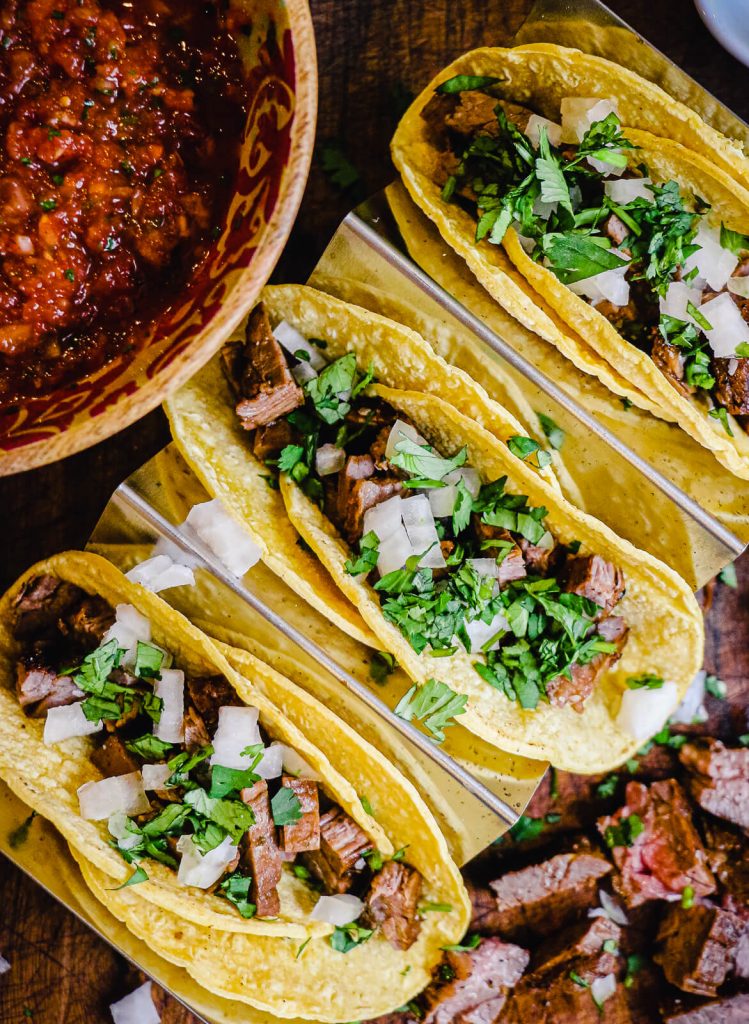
{"points": [[647, 256], [457, 564], [191, 775]]}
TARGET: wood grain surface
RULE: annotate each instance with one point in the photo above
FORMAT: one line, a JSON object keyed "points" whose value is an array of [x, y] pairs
{"points": [[372, 54]]}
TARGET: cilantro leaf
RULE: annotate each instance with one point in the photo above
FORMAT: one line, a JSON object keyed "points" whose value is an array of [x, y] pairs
{"points": [[369, 552], [138, 876], [645, 681], [727, 575], [625, 833], [382, 665], [347, 937], [721, 414], [524, 447], [554, 433], [286, 807], [465, 83], [463, 507], [434, 704], [423, 461], [236, 889], [733, 240], [576, 256], [225, 781], [471, 941], [289, 457], [526, 828], [149, 747], [716, 687], [338, 167], [148, 660]]}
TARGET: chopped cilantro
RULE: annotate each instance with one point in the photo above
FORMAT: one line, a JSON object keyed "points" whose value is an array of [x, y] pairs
{"points": [[435, 908], [607, 787], [228, 781], [524, 447], [554, 433], [645, 681], [138, 876], [434, 704], [635, 963], [687, 897], [423, 461], [148, 661], [366, 805], [526, 828], [382, 665], [720, 413], [18, 836], [727, 575], [462, 509], [346, 938], [625, 833], [369, 552], [302, 948], [471, 941], [149, 747], [286, 807], [574, 976], [236, 889], [611, 946], [733, 240], [716, 687], [465, 83], [338, 167]]}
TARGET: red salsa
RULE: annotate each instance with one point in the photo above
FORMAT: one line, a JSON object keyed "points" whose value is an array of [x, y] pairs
{"points": [[120, 125]]}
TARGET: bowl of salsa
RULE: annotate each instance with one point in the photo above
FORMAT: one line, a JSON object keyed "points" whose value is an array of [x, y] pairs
{"points": [[152, 160]]}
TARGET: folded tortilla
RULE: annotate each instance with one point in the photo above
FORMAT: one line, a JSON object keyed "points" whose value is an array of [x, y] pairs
{"points": [[674, 143]]}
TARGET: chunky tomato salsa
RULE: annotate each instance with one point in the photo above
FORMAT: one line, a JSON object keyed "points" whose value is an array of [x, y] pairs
{"points": [[120, 125]]}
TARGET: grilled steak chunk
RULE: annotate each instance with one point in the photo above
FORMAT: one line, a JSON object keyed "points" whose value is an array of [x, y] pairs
{"points": [[208, 694], [88, 623], [555, 997], [342, 844], [542, 898], [667, 855], [729, 1010], [584, 939], [540, 561], [698, 947], [271, 439], [512, 566], [669, 360], [596, 579], [260, 854], [358, 490], [732, 389], [392, 903], [719, 779], [261, 376], [196, 734], [39, 689], [41, 603], [474, 979], [305, 833], [113, 757], [728, 856], [473, 114], [576, 690], [616, 229]]}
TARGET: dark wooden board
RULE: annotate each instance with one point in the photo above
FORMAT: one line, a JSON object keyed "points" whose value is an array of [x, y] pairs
{"points": [[371, 53]]}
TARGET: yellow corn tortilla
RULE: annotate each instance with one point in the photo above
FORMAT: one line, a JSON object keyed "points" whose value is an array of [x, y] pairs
{"points": [[540, 76], [666, 634], [274, 974], [47, 777]]}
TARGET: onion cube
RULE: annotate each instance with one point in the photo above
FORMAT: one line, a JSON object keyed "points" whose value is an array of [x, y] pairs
{"points": [[127, 629], [470, 478], [626, 190], [338, 910], [100, 800], [442, 500], [237, 729], [643, 712], [271, 765], [65, 722], [161, 573], [422, 532], [136, 1008], [534, 126], [171, 689], [384, 519], [394, 550], [329, 458], [714, 263], [481, 633], [203, 870], [728, 327], [155, 776], [400, 432], [225, 537], [293, 341], [678, 296]]}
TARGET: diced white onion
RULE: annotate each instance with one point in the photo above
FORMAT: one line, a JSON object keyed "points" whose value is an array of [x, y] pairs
{"points": [[442, 500], [4, 965], [527, 244], [394, 550], [533, 128], [24, 244], [729, 328], [118, 827], [271, 765], [644, 712], [481, 633], [422, 532], [739, 286], [692, 707], [164, 546], [544, 210], [610, 286], [203, 870], [294, 764], [337, 910], [578, 114], [714, 263], [160, 573], [224, 536], [485, 566], [100, 800], [171, 689], [155, 776], [329, 458], [602, 989], [66, 722], [302, 373], [288, 337], [127, 629], [384, 519], [136, 1008], [609, 908], [678, 296], [547, 542], [400, 428], [625, 190], [237, 729], [470, 478]]}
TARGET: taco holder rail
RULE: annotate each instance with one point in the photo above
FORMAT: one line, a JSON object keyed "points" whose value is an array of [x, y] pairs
{"points": [[371, 225]]}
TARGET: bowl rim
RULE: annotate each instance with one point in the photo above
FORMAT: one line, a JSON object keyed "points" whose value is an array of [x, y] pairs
{"points": [[129, 408]]}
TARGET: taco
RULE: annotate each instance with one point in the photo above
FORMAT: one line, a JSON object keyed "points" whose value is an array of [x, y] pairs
{"points": [[505, 605], [166, 765], [619, 207]]}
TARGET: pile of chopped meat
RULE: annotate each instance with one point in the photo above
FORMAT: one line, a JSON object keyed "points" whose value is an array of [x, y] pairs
{"points": [[182, 798]]}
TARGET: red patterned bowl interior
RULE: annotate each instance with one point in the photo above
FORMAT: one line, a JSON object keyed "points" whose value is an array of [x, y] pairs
{"points": [[279, 60]]}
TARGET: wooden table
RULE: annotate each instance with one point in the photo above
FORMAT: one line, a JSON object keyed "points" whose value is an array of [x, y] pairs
{"points": [[372, 54]]}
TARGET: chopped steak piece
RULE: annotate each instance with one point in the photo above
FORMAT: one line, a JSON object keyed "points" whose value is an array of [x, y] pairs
{"points": [[512, 566], [260, 855], [732, 389], [342, 843], [556, 997], [583, 939], [729, 1010], [575, 691], [698, 947], [267, 391], [88, 623], [358, 490], [596, 579], [305, 833], [728, 856], [720, 779], [668, 854], [113, 758], [473, 979], [271, 439], [39, 689], [485, 915], [670, 362], [208, 694], [473, 114], [619, 316], [41, 603], [539, 560], [542, 898], [392, 903], [616, 229], [196, 734]]}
